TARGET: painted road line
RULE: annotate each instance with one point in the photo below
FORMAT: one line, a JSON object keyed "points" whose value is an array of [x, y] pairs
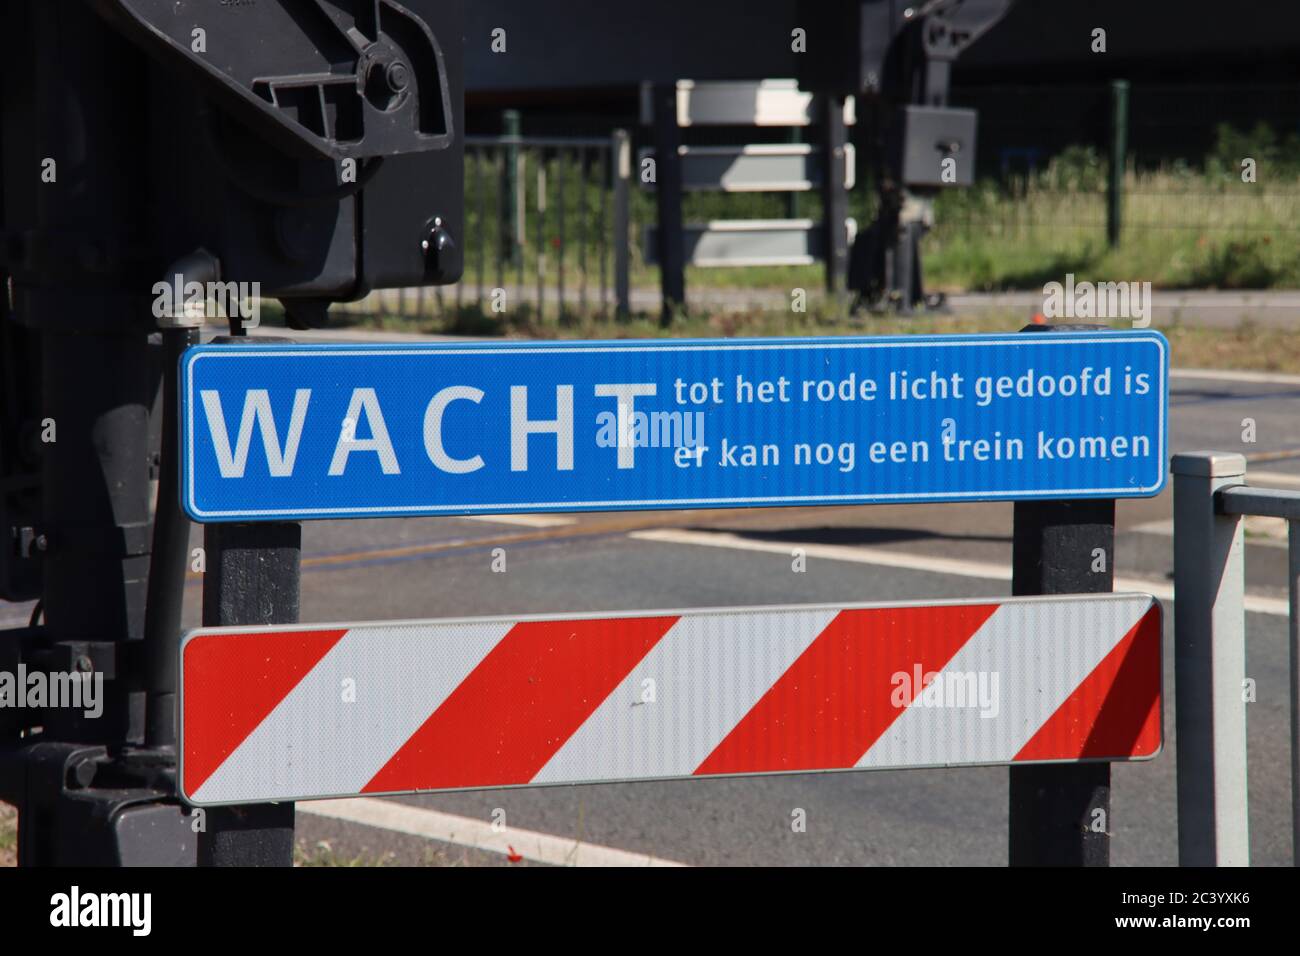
{"points": [[1260, 530], [527, 521], [476, 834], [956, 567], [429, 549], [1234, 375], [1164, 528], [1278, 478], [568, 532], [881, 557], [1282, 454]]}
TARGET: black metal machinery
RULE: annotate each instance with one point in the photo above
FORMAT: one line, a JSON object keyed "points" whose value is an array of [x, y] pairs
{"points": [[313, 147], [310, 146], [894, 56], [898, 56]]}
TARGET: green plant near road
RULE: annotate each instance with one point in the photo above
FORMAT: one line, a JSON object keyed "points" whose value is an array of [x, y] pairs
{"points": [[323, 854], [1180, 231], [1184, 226]]}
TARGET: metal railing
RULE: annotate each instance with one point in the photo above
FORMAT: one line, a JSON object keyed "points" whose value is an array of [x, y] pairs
{"points": [[1211, 499], [547, 225]]}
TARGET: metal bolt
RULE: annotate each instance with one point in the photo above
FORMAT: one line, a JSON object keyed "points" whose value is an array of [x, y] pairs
{"points": [[84, 664], [82, 774], [426, 242], [398, 77]]}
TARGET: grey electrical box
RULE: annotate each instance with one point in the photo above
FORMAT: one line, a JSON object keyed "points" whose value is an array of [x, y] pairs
{"points": [[926, 136]]}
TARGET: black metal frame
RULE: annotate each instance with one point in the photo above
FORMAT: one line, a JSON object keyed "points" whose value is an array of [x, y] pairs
{"points": [[104, 792]]}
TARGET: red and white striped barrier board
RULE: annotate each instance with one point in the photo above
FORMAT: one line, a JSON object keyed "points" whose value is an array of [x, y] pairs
{"points": [[299, 712]]}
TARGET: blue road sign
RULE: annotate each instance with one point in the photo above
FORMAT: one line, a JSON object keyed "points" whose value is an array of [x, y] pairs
{"points": [[334, 431]]}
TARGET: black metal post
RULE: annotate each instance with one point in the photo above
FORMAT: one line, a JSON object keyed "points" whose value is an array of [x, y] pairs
{"points": [[668, 193], [1118, 160], [1060, 813], [792, 205], [511, 234], [835, 199], [559, 228], [620, 163], [253, 576], [171, 538]]}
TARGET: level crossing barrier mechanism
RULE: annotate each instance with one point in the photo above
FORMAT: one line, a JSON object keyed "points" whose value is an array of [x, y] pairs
{"points": [[350, 429]]}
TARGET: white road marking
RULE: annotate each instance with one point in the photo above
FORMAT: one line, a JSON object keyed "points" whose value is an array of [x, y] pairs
{"points": [[1266, 478], [1232, 375], [882, 557], [528, 521], [477, 834], [1264, 531], [1165, 528]]}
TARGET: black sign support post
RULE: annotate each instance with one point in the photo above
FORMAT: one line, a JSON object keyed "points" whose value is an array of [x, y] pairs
{"points": [[668, 191], [253, 576], [835, 202], [1060, 814]]}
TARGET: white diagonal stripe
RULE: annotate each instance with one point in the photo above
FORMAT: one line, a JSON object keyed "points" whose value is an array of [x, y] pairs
{"points": [[1040, 652], [708, 671], [314, 743]]}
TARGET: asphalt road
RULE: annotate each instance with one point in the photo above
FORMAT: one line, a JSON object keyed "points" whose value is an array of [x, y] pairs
{"points": [[418, 568], [441, 567]]}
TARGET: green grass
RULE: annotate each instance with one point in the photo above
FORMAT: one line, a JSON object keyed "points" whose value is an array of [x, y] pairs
{"points": [[1247, 346], [1185, 226], [1181, 231], [8, 835], [323, 854]]}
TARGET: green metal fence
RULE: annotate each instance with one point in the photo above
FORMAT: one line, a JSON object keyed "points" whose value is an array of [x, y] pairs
{"points": [[1208, 197]]}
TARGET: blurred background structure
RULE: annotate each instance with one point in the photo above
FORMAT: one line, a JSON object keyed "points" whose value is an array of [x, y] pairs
{"points": [[1171, 157]]}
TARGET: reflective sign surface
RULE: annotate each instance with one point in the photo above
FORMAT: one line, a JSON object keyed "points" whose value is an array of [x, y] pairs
{"points": [[323, 431]]}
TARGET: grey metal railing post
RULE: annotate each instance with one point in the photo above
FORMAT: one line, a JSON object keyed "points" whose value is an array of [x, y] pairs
{"points": [[668, 196], [1293, 584], [621, 149], [835, 198], [1209, 663]]}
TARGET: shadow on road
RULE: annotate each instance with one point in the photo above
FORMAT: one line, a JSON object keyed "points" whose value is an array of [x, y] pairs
{"points": [[851, 535]]}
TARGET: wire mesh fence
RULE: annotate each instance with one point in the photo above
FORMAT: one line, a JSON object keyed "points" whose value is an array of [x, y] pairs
{"points": [[543, 221], [1209, 198]]}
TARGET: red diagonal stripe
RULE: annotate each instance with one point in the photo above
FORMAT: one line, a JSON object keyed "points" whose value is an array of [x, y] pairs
{"points": [[1115, 712], [836, 700], [232, 682], [523, 701]]}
